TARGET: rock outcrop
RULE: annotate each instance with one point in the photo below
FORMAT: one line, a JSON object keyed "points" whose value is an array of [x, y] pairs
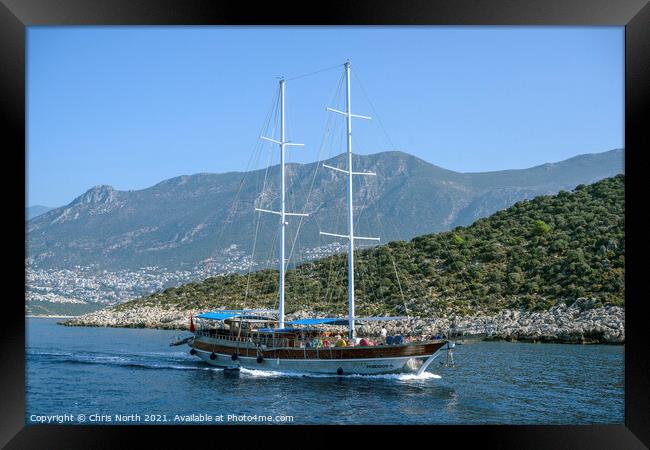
{"points": [[580, 322]]}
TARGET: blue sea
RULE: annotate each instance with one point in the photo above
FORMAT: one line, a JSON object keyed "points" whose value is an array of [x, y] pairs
{"points": [[112, 375]]}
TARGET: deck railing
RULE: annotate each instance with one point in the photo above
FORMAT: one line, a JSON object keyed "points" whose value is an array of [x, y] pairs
{"points": [[270, 341]]}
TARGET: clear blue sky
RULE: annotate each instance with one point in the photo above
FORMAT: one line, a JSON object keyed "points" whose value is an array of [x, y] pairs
{"points": [[132, 106]]}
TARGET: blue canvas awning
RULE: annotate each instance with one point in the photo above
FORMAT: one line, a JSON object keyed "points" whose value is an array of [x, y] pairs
{"points": [[218, 315], [223, 314]]}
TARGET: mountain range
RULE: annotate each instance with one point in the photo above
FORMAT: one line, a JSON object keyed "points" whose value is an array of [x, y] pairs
{"points": [[189, 221]]}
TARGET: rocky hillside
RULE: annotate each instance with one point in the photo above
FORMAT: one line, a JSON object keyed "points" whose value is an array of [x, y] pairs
{"points": [[192, 220], [560, 256]]}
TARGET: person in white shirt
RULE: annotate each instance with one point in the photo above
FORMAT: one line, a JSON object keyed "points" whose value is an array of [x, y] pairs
{"points": [[384, 333]]}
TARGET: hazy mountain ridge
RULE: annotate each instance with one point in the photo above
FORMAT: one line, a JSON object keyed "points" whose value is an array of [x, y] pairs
{"points": [[36, 210], [187, 220]]}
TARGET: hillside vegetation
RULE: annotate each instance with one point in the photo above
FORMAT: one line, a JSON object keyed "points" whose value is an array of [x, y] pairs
{"points": [[532, 256]]}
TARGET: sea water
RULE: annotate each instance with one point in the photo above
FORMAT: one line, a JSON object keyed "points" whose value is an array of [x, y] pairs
{"points": [[78, 375]]}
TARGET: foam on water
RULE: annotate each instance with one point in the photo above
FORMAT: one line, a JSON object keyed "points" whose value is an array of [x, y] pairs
{"points": [[161, 360], [39, 353], [389, 376], [136, 364]]}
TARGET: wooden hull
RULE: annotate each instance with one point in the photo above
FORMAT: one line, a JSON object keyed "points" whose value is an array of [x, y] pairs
{"points": [[333, 360]]}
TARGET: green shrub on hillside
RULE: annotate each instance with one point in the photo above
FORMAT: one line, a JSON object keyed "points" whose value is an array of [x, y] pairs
{"points": [[531, 256]]}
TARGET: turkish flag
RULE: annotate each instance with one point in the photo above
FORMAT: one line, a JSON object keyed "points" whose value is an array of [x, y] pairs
{"points": [[192, 328]]}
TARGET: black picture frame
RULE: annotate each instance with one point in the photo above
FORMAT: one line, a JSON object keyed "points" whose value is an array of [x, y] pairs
{"points": [[16, 15]]}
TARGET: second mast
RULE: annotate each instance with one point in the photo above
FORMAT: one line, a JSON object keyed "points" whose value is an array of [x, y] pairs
{"points": [[282, 213]]}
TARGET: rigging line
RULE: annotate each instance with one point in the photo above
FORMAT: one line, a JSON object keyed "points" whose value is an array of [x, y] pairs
{"points": [[377, 271], [360, 301], [262, 273], [364, 275], [336, 289], [410, 258], [328, 138], [248, 278], [376, 113], [332, 267], [338, 270], [271, 255], [256, 150], [273, 278], [372, 107], [335, 270], [392, 257], [297, 77], [462, 276], [329, 273], [364, 214], [273, 112], [378, 258], [364, 183], [269, 162], [376, 249], [320, 154], [421, 282], [264, 183], [271, 251], [255, 156], [400, 286], [260, 198], [300, 271]]}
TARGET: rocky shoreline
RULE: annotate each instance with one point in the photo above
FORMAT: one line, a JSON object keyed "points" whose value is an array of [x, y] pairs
{"points": [[49, 316], [580, 322]]}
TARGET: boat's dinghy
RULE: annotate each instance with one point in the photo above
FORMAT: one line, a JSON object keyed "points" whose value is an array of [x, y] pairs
{"points": [[181, 339]]}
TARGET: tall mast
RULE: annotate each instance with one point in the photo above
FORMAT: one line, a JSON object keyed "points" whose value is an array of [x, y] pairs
{"points": [[351, 330], [351, 237], [282, 213]]}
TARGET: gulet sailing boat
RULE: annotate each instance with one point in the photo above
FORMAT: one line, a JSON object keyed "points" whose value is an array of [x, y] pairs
{"points": [[256, 339]]}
